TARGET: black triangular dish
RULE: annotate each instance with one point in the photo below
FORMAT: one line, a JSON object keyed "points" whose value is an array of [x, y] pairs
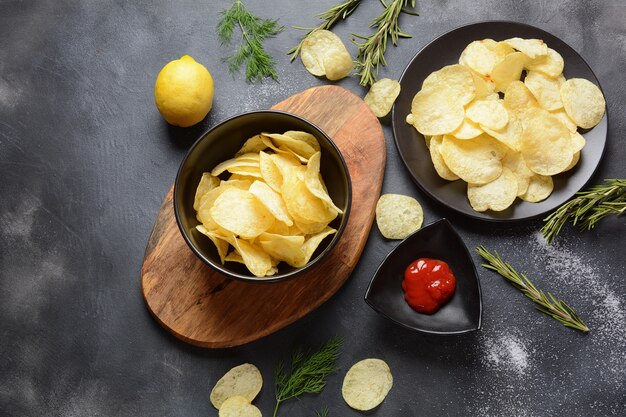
{"points": [[438, 240]]}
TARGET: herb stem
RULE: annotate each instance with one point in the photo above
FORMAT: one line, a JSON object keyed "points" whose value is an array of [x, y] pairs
{"points": [[557, 309]]}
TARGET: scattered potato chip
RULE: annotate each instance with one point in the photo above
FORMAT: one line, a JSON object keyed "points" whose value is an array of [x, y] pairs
{"points": [[497, 195], [545, 89], [383, 93], [436, 111], [455, 77], [508, 70], [583, 102], [323, 53], [243, 380], [398, 216], [488, 113], [532, 48], [477, 161], [366, 384], [546, 144], [238, 406], [550, 64], [207, 183], [440, 165], [539, 188]]}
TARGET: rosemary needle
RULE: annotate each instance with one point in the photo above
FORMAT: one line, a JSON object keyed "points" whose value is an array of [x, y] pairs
{"points": [[588, 207], [254, 30], [557, 309]]}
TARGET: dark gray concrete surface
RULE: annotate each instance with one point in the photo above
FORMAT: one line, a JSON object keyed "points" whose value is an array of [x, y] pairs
{"points": [[85, 160]]}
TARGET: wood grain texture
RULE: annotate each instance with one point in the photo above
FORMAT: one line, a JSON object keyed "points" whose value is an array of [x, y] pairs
{"points": [[203, 307]]}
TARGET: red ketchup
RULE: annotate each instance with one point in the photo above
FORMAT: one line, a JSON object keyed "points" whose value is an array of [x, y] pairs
{"points": [[428, 284]]}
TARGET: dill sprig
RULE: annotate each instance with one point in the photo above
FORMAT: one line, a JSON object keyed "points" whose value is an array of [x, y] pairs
{"points": [[589, 207], [307, 374], [372, 48], [322, 413], [557, 309], [254, 30], [330, 17]]}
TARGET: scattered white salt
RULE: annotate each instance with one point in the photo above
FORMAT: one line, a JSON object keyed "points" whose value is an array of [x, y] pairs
{"points": [[507, 353]]}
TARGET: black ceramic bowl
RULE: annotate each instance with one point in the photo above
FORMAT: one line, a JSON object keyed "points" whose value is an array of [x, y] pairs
{"points": [[439, 240], [221, 143]]}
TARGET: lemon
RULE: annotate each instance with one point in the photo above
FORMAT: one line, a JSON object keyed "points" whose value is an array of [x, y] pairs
{"points": [[183, 92]]}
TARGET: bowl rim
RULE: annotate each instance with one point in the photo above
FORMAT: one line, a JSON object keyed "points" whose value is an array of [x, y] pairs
{"points": [[250, 278], [445, 223]]}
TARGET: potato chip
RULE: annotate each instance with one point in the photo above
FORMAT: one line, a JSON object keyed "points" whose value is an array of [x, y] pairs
{"points": [[207, 183], [382, 95], [440, 165], [241, 213], [546, 144], [243, 380], [272, 201], [532, 48], [483, 87], [481, 56], [283, 248], [578, 142], [270, 172], [302, 204], [539, 188], [497, 195], [231, 164], [436, 111], [561, 114], [455, 77], [315, 184], [510, 135], [467, 130], [219, 241], [323, 53], [545, 89], [298, 147], [366, 384], [234, 256], [583, 102], [427, 139], [309, 228], [258, 262], [518, 99], [203, 215], [285, 163], [305, 137], [488, 113], [508, 70], [254, 144], [550, 64], [311, 244], [476, 161], [515, 162], [238, 406], [574, 162], [398, 216], [242, 184]]}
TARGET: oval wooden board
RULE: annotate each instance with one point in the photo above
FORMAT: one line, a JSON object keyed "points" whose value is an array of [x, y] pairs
{"points": [[205, 308]]}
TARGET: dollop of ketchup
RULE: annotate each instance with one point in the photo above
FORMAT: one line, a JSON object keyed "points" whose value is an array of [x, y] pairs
{"points": [[428, 284]]}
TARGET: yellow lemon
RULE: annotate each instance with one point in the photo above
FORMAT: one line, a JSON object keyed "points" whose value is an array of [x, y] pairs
{"points": [[183, 92]]}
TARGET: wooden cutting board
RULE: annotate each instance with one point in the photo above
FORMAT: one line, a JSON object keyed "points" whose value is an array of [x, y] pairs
{"points": [[205, 308]]}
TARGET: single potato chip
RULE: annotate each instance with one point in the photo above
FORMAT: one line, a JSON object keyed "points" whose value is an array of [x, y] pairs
{"points": [[545, 89], [515, 162], [221, 244], [315, 183], [467, 130], [297, 146], [383, 93], [206, 184], [366, 384], [498, 195], [311, 244], [488, 113], [483, 87], [455, 77], [561, 114], [272, 201], [254, 144], [578, 142], [436, 111], [508, 70], [539, 188], [254, 257], [510, 135], [583, 102], [477, 161], [305, 137], [518, 99], [550, 64], [481, 56], [241, 213], [243, 380], [532, 48], [304, 205], [283, 248], [574, 162], [238, 406], [546, 144], [323, 53], [398, 216], [440, 165]]}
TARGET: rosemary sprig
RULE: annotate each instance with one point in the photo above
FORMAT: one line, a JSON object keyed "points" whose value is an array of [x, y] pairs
{"points": [[330, 17], [589, 207], [372, 48], [254, 30], [557, 309], [307, 374]]}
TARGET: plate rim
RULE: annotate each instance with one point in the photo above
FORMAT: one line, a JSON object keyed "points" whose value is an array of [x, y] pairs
{"points": [[477, 215]]}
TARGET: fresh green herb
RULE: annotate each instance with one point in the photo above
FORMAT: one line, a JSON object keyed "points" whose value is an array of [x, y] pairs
{"points": [[556, 309], [254, 30], [307, 374], [330, 17], [372, 48], [589, 207], [322, 413]]}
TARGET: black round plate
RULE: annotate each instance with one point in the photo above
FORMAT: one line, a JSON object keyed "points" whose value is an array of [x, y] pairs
{"points": [[445, 50]]}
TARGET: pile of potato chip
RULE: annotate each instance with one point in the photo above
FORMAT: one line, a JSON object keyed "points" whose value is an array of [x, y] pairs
{"points": [[505, 120], [269, 203]]}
